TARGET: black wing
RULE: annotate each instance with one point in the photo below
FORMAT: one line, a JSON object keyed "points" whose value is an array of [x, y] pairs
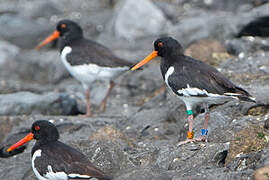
{"points": [[202, 76], [89, 52], [63, 158]]}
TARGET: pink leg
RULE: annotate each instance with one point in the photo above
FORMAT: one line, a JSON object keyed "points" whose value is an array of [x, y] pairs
{"points": [[190, 133], [102, 107], [190, 120], [207, 116], [87, 96]]}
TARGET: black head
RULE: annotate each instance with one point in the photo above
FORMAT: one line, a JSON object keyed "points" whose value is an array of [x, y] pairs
{"points": [[69, 32], [68, 28], [167, 46], [45, 131]]}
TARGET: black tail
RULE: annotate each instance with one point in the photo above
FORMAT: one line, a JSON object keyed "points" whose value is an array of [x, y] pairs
{"points": [[246, 98], [241, 94]]}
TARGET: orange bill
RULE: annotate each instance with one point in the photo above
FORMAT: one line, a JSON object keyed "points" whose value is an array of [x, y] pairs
{"points": [[146, 60], [21, 142], [52, 37]]}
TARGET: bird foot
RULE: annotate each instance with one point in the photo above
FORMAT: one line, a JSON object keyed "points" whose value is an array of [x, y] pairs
{"points": [[102, 107], [86, 115], [199, 139]]}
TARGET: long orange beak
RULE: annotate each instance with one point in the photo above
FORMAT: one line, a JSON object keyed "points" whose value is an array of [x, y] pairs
{"points": [[21, 142], [53, 36], [146, 60]]}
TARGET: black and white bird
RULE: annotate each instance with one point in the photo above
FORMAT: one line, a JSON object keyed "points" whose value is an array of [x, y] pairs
{"points": [[193, 81], [54, 160], [86, 60]]}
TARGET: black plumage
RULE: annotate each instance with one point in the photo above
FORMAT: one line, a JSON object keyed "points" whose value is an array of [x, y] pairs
{"points": [[58, 157], [193, 81], [66, 159], [86, 51], [86, 60], [194, 73]]}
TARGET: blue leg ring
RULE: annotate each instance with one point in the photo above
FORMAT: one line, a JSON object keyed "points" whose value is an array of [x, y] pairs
{"points": [[204, 132]]}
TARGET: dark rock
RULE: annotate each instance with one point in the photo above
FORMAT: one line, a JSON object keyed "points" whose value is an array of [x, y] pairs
{"points": [[246, 45], [255, 64], [5, 154], [48, 64], [29, 103], [266, 124], [217, 174], [7, 52], [257, 27], [21, 31], [144, 173]]}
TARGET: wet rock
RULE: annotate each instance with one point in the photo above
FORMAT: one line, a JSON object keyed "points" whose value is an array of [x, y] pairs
{"points": [[21, 31], [148, 18], [29, 103], [7, 52]]}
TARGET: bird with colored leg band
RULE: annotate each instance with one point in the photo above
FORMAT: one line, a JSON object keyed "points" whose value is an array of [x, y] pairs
{"points": [[204, 132], [193, 81]]}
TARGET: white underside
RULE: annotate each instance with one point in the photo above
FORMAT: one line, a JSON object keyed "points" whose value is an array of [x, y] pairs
{"points": [[189, 94], [50, 175], [205, 101], [89, 73]]}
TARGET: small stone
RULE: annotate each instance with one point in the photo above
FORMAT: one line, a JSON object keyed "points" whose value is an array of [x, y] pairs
{"points": [[262, 173]]}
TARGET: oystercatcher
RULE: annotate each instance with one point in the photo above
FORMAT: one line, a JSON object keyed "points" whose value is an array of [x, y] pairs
{"points": [[54, 160], [86, 60], [193, 81]]}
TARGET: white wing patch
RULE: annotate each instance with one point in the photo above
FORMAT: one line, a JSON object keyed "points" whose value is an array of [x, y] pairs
{"points": [[80, 176], [192, 91], [55, 175]]}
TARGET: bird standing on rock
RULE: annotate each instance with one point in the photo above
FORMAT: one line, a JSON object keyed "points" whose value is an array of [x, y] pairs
{"points": [[193, 81], [54, 160], [86, 60]]}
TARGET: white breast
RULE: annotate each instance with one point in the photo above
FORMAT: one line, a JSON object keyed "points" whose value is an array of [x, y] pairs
{"points": [[169, 72], [36, 154]]}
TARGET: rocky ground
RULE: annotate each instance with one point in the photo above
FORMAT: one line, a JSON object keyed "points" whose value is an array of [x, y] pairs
{"points": [[136, 138]]}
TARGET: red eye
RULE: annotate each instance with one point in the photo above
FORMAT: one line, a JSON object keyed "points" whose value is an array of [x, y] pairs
{"points": [[160, 44], [63, 26], [37, 128]]}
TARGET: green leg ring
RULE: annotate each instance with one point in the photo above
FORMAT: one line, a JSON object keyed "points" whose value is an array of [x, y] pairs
{"points": [[189, 112]]}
